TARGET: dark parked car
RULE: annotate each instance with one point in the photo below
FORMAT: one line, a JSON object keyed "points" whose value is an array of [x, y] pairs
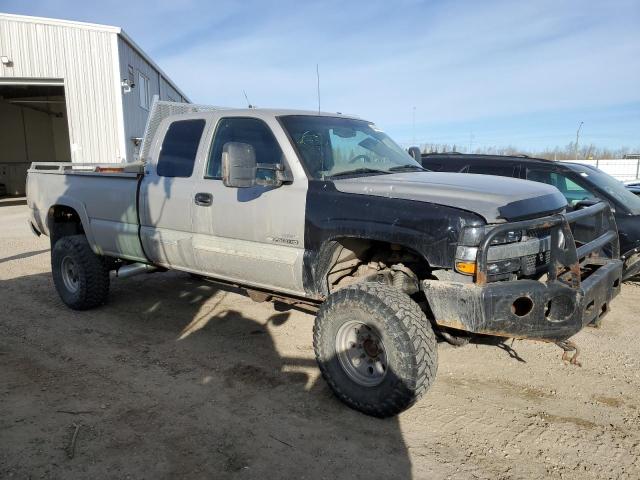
{"points": [[582, 185], [633, 186]]}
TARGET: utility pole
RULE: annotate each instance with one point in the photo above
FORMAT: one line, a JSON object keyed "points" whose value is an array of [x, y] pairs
{"points": [[578, 138], [470, 141]]}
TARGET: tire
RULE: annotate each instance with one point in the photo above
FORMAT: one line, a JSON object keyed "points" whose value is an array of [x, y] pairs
{"points": [[81, 277], [395, 376]]}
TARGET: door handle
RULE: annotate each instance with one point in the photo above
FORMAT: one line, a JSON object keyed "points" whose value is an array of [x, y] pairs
{"points": [[203, 199]]}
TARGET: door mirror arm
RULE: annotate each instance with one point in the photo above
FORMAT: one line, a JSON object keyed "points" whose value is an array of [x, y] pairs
{"points": [[276, 174]]}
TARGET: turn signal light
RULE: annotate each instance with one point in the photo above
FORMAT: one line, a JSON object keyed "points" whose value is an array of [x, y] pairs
{"points": [[468, 268]]}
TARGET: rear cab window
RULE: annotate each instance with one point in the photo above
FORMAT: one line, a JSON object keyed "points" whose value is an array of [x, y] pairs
{"points": [[179, 148]]}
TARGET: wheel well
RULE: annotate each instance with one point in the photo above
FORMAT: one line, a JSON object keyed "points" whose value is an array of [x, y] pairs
{"points": [[355, 260], [63, 221]]}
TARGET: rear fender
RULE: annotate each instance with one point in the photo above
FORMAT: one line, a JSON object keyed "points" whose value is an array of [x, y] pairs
{"points": [[80, 209]]}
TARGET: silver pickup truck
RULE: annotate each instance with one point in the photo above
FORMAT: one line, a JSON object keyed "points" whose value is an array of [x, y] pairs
{"points": [[326, 210]]}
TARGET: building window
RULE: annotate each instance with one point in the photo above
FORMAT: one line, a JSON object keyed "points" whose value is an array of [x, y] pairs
{"points": [[143, 90], [179, 148]]}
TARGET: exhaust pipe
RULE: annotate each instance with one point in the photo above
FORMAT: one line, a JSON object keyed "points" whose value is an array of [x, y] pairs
{"points": [[135, 269]]}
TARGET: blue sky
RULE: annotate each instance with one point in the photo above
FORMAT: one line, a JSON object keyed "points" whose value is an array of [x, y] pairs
{"points": [[521, 73]]}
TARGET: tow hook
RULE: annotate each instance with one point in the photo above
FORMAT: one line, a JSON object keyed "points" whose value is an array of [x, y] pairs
{"points": [[568, 346]]}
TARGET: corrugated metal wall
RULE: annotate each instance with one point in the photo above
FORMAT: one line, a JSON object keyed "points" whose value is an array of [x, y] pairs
{"points": [[135, 117], [85, 59]]}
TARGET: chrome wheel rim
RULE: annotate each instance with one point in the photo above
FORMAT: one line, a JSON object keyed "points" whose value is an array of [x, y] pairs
{"points": [[361, 353], [70, 274]]}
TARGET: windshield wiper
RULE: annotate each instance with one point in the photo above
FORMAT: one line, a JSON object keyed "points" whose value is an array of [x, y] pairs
{"points": [[358, 171], [401, 168]]}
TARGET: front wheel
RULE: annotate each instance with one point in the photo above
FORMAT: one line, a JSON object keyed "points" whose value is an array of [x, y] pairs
{"points": [[81, 277], [375, 348]]}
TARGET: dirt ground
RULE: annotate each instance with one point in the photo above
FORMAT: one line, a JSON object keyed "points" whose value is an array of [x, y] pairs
{"points": [[177, 378]]}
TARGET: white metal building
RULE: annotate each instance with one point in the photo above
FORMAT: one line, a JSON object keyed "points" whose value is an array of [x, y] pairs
{"points": [[71, 91]]}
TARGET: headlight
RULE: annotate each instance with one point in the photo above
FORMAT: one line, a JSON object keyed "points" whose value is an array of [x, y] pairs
{"points": [[467, 250], [472, 236]]}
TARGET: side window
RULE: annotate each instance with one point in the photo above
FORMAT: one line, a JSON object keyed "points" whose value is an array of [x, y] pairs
{"points": [[244, 130], [179, 148], [505, 170], [541, 175], [570, 189], [143, 91]]}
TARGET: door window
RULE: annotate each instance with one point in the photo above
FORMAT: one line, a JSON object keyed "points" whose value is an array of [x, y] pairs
{"points": [[573, 192], [244, 130], [179, 148]]}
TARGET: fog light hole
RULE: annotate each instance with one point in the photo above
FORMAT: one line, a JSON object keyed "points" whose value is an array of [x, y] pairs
{"points": [[559, 308], [522, 306]]}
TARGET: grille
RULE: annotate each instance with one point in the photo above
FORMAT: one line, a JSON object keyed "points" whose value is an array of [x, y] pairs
{"points": [[531, 263], [539, 232]]}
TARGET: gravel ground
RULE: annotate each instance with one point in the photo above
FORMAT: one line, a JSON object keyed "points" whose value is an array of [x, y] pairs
{"points": [[177, 378]]}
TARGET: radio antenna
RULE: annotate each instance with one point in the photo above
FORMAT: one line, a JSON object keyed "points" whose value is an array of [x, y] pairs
{"points": [[318, 79], [247, 99]]}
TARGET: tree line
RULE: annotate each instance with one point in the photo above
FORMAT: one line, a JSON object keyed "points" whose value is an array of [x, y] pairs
{"points": [[568, 152]]}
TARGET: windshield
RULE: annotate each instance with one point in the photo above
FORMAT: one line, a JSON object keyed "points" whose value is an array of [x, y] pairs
{"points": [[332, 146], [609, 185]]}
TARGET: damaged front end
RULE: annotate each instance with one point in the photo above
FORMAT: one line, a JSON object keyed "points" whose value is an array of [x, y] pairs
{"points": [[542, 279]]}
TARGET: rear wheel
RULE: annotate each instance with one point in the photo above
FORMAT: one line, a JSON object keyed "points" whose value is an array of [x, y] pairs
{"points": [[375, 348], [80, 276]]}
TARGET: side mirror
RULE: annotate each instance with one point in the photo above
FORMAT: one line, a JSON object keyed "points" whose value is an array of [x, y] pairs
{"points": [[240, 170], [416, 154], [238, 165]]}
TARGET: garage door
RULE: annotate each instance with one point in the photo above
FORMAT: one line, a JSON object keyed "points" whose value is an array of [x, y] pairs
{"points": [[34, 129]]}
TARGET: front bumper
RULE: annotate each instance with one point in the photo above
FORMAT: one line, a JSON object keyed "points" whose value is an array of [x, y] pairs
{"points": [[525, 308], [584, 274]]}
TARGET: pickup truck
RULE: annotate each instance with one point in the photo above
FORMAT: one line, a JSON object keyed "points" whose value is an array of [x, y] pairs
{"points": [[327, 211]]}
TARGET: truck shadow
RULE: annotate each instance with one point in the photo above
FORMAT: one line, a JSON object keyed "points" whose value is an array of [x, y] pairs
{"points": [[180, 378]]}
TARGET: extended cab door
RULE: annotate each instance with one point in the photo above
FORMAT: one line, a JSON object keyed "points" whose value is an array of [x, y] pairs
{"points": [[166, 193], [252, 235]]}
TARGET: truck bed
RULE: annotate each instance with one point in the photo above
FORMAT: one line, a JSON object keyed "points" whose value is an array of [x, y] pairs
{"points": [[103, 195]]}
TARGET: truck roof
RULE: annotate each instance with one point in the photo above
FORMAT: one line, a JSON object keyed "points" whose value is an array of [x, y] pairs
{"points": [[272, 112], [480, 157]]}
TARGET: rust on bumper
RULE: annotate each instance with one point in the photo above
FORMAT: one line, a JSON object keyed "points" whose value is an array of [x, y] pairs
{"points": [[583, 276]]}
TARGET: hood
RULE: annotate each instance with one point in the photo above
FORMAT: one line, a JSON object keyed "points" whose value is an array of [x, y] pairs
{"points": [[495, 198]]}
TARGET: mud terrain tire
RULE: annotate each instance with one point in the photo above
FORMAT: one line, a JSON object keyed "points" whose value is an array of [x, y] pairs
{"points": [[81, 277], [345, 325]]}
